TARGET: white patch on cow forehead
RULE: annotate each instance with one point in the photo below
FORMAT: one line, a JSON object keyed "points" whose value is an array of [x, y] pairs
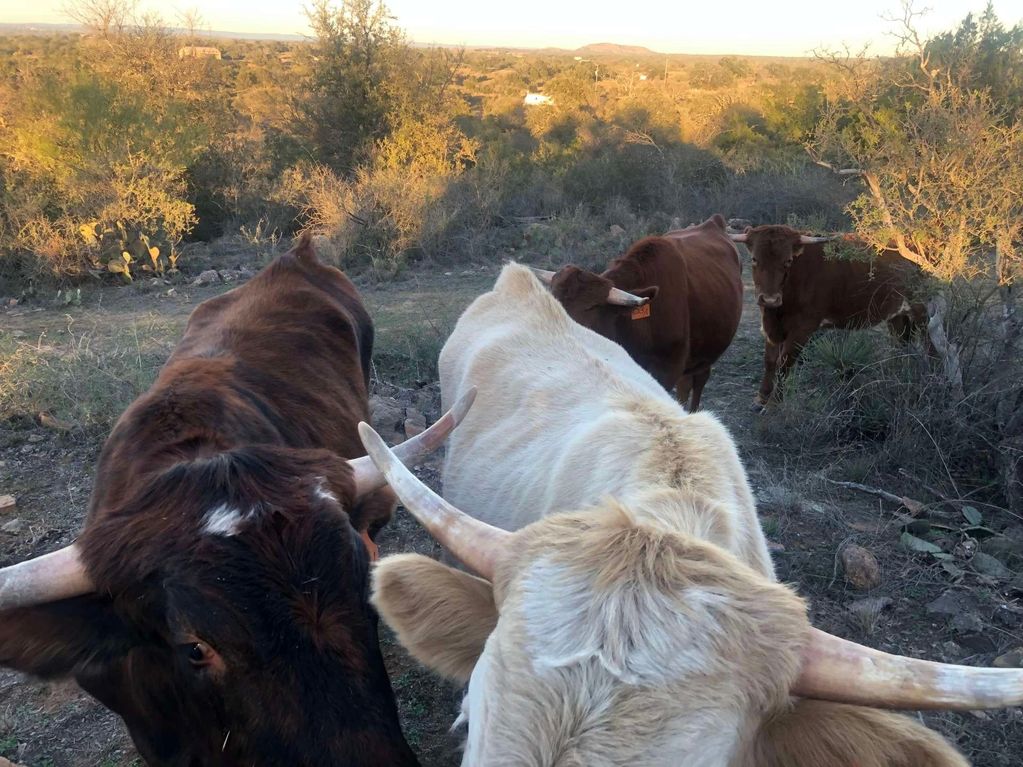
{"points": [[639, 634], [225, 520], [323, 492]]}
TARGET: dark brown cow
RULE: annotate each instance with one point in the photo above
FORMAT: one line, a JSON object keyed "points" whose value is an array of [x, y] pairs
{"points": [[216, 598], [800, 289], [692, 279]]}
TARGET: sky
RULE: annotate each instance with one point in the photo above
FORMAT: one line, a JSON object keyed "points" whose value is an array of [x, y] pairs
{"points": [[750, 27]]}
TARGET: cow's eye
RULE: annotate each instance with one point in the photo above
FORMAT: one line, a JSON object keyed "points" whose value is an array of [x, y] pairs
{"points": [[200, 654], [202, 657]]}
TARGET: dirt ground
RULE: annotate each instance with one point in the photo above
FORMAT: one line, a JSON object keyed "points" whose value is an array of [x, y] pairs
{"points": [[44, 724]]}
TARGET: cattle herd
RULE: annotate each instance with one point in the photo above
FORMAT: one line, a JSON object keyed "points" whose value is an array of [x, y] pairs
{"points": [[622, 606]]}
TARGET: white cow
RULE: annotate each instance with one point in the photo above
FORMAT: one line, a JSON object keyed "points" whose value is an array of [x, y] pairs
{"points": [[629, 614], [579, 421]]}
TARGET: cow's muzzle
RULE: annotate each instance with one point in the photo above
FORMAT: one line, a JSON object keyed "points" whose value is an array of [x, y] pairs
{"points": [[772, 301]]}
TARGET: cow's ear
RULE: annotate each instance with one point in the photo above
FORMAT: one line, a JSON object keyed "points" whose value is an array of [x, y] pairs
{"points": [[442, 616], [72, 637], [819, 734]]}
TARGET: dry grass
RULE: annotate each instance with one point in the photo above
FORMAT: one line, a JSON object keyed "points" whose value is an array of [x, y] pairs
{"points": [[83, 378]]}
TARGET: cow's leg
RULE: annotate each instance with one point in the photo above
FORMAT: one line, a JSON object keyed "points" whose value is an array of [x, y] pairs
{"points": [[699, 381], [901, 328], [771, 352], [682, 390], [792, 347]]}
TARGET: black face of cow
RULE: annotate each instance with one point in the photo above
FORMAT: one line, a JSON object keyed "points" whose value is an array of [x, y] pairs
{"points": [[251, 642], [274, 650], [772, 255]]}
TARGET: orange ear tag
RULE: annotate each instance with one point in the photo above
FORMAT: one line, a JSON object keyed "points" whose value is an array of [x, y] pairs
{"points": [[641, 312], [374, 552]]}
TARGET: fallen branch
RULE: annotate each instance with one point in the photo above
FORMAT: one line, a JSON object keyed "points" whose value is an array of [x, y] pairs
{"points": [[915, 508], [930, 489], [526, 219]]}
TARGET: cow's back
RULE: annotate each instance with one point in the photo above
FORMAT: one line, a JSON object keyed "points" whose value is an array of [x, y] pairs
{"points": [[280, 360], [565, 418], [518, 347], [699, 305], [714, 281], [298, 322]]}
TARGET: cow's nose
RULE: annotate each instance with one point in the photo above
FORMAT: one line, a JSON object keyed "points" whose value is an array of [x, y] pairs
{"points": [[771, 302]]}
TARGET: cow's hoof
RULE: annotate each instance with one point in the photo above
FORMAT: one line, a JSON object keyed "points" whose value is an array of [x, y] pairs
{"points": [[759, 404]]}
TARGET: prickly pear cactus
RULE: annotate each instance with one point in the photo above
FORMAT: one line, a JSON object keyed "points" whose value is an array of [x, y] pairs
{"points": [[118, 248]]}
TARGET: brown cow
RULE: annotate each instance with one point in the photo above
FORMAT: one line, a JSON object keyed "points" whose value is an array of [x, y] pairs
{"points": [[800, 289], [692, 279], [216, 598]]}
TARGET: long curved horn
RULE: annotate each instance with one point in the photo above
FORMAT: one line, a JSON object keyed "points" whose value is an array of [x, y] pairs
{"points": [[368, 477], [545, 275], [805, 240], [621, 298], [838, 670], [57, 575], [476, 544], [738, 237], [614, 296]]}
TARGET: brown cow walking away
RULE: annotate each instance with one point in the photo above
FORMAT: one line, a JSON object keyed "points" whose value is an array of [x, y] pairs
{"points": [[216, 598], [692, 279], [799, 289]]}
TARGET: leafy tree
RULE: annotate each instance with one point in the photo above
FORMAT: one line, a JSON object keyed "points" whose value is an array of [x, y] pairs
{"points": [[983, 56], [941, 159], [346, 110], [96, 149]]}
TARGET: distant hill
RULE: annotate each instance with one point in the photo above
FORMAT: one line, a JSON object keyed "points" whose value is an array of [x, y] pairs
{"points": [[614, 49], [587, 51]]}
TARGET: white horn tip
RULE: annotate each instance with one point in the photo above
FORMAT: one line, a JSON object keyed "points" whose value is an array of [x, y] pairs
{"points": [[545, 275], [461, 407]]}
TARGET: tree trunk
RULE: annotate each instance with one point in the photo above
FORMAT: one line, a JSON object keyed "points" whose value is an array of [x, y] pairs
{"points": [[1009, 408], [946, 350]]}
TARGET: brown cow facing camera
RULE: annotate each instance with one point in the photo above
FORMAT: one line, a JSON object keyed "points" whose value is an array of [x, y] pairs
{"points": [[673, 302], [800, 289], [216, 598]]}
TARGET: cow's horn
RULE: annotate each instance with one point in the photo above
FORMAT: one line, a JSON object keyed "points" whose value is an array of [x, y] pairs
{"points": [[368, 477], [806, 240], [476, 544], [57, 575], [838, 670], [741, 237], [621, 298], [545, 275]]}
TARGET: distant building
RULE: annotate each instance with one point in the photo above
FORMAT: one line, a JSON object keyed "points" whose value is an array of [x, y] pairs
{"points": [[642, 77], [536, 99], [198, 52]]}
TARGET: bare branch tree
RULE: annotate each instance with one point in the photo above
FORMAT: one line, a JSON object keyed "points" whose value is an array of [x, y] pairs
{"points": [[105, 18], [191, 22]]}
